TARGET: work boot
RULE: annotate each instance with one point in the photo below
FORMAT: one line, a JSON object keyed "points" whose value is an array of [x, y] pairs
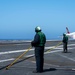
{"points": [[37, 71]]}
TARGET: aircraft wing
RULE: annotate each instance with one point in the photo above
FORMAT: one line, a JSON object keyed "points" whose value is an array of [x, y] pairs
{"points": [[73, 36]]}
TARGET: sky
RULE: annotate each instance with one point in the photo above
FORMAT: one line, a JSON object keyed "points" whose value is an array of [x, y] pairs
{"points": [[18, 18]]}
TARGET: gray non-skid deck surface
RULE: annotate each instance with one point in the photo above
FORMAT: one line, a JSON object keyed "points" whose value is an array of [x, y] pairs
{"points": [[55, 61]]}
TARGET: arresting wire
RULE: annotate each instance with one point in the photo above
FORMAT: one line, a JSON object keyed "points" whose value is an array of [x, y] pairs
{"points": [[18, 58], [26, 52], [53, 47]]}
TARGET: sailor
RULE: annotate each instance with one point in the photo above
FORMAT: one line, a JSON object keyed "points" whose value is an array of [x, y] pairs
{"points": [[65, 42], [39, 44]]}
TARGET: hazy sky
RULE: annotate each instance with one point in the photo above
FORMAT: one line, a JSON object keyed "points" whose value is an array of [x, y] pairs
{"points": [[18, 18]]}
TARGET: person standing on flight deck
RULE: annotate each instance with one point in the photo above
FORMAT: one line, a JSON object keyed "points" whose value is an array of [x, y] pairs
{"points": [[39, 44], [65, 42]]}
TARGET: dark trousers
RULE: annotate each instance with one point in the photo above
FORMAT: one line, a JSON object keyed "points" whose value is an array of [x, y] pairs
{"points": [[65, 47], [39, 56]]}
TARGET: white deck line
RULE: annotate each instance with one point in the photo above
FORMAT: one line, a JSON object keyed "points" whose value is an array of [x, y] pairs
{"points": [[17, 51]]}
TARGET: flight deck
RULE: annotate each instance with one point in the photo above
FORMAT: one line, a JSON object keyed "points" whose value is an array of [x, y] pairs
{"points": [[55, 61]]}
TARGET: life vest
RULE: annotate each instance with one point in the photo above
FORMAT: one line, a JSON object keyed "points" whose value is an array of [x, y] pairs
{"points": [[65, 39], [42, 39]]}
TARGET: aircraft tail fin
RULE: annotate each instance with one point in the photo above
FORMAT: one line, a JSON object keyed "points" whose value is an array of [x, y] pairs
{"points": [[67, 30]]}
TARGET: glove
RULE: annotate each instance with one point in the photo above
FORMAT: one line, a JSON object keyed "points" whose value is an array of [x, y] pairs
{"points": [[32, 44]]}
